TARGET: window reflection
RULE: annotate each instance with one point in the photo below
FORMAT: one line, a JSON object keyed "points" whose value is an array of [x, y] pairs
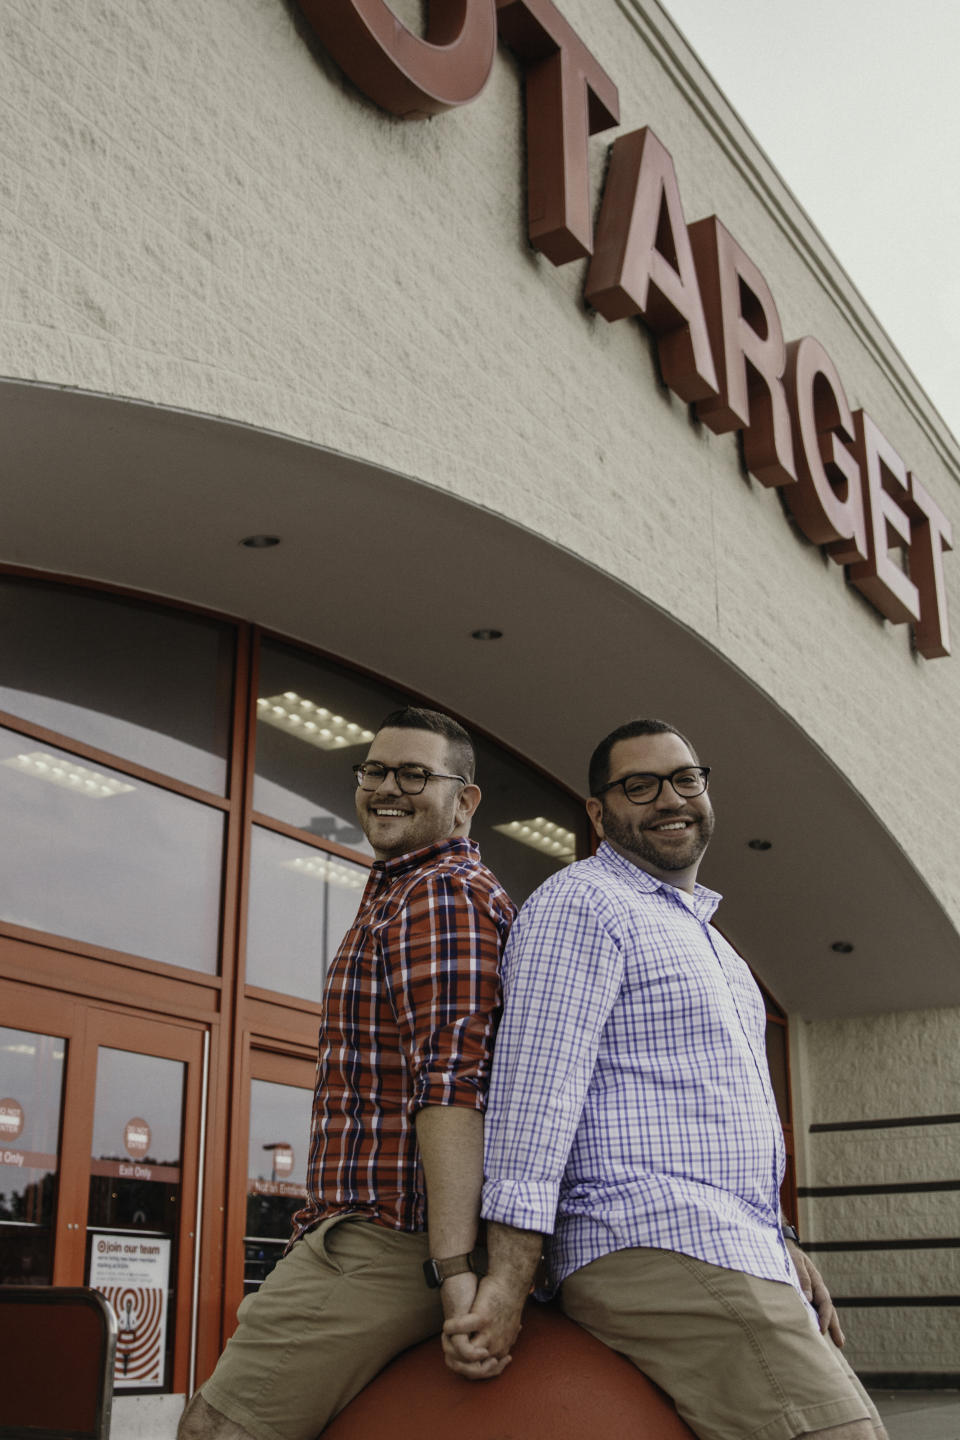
{"points": [[92, 855], [150, 685], [31, 1090], [303, 775], [516, 799], [302, 902], [276, 1173]]}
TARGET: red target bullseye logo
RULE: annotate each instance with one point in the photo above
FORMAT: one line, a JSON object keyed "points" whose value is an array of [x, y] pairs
{"points": [[139, 1313]]}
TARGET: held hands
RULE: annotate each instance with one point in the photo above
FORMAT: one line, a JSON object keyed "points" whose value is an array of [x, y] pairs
{"points": [[477, 1340], [813, 1286]]}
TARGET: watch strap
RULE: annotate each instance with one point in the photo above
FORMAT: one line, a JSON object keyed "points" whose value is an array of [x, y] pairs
{"points": [[435, 1272], [789, 1233]]}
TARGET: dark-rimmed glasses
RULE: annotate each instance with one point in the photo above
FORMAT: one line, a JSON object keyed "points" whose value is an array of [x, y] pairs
{"points": [[411, 779], [643, 789]]}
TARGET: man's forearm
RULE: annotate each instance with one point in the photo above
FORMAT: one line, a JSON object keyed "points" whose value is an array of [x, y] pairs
{"points": [[513, 1259], [451, 1148]]}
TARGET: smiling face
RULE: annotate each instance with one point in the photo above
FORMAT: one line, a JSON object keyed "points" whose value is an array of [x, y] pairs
{"points": [[666, 837], [395, 823]]}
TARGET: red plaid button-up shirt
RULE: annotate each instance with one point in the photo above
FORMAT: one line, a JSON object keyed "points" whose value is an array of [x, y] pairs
{"points": [[410, 1011]]}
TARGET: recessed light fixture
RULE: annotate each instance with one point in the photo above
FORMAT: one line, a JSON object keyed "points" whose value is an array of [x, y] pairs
{"points": [[760, 844], [323, 867], [842, 947], [486, 634], [260, 542], [543, 835], [91, 783], [313, 723]]}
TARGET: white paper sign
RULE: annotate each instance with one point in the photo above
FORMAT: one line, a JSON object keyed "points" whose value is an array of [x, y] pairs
{"points": [[133, 1273]]}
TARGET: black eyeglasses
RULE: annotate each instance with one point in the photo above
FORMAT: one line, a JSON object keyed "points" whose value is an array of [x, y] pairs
{"points": [[411, 779], [691, 780]]}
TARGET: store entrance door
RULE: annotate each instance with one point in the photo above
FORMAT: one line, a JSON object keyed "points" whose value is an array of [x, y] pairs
{"points": [[100, 1184]]}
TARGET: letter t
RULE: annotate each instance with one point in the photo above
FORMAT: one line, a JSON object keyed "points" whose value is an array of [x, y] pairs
{"points": [[569, 98]]}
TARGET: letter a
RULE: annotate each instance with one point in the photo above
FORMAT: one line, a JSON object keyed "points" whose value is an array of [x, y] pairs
{"points": [[643, 263]]}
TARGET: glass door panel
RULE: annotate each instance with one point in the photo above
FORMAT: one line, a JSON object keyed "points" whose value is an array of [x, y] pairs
{"points": [[31, 1098], [132, 1226], [141, 1213], [276, 1173], [99, 1164], [135, 1165]]}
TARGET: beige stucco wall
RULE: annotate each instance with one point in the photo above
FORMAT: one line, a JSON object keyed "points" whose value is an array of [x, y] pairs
{"points": [[198, 211], [885, 1067]]}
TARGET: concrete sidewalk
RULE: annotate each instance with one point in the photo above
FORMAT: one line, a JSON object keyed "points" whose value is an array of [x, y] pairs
{"points": [[919, 1414]]}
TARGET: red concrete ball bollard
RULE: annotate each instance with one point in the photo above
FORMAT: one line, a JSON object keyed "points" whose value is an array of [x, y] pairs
{"points": [[562, 1384]]}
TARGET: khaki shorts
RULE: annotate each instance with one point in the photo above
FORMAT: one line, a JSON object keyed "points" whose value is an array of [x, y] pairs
{"points": [[349, 1296], [739, 1356]]}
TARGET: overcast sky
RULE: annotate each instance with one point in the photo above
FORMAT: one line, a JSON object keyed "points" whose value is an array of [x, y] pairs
{"points": [[856, 103]]}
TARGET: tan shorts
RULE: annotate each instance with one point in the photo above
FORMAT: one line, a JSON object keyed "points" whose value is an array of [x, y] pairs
{"points": [[349, 1296], [739, 1356]]}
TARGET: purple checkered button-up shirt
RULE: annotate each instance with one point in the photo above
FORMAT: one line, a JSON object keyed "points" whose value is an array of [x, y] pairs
{"points": [[630, 1101]]}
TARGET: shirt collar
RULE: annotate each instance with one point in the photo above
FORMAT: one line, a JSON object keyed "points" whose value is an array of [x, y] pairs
{"points": [[704, 901], [459, 847]]}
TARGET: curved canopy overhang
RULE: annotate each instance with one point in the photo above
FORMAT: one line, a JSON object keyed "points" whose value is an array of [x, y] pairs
{"points": [[395, 576]]}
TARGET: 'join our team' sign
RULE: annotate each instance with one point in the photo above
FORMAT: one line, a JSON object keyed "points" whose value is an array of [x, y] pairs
{"points": [[719, 339]]}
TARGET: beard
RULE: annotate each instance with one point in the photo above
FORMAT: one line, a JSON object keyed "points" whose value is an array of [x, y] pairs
{"points": [[642, 845], [421, 827]]}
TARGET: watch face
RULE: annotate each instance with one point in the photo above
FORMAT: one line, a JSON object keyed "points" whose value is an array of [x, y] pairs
{"points": [[431, 1274]]}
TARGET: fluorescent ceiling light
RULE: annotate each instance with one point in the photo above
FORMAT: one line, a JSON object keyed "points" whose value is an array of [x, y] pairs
{"points": [[323, 867], [77, 778], [312, 723], [543, 835]]}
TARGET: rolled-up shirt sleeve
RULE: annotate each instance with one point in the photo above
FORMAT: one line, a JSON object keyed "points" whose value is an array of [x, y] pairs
{"points": [[562, 971], [441, 963]]}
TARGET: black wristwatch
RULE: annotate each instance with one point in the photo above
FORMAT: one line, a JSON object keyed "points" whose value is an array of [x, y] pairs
{"points": [[436, 1271], [789, 1233]]}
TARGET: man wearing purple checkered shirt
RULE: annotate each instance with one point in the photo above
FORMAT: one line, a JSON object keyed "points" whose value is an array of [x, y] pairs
{"points": [[632, 1126]]}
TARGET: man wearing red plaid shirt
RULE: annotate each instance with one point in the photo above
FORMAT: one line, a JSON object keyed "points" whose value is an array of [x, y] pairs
{"points": [[410, 1009]]}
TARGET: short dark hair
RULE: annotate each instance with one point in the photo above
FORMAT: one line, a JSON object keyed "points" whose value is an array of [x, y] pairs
{"points": [[599, 772], [460, 747]]}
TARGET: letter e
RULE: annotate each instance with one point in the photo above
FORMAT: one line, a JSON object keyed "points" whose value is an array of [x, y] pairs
{"points": [[885, 584]]}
